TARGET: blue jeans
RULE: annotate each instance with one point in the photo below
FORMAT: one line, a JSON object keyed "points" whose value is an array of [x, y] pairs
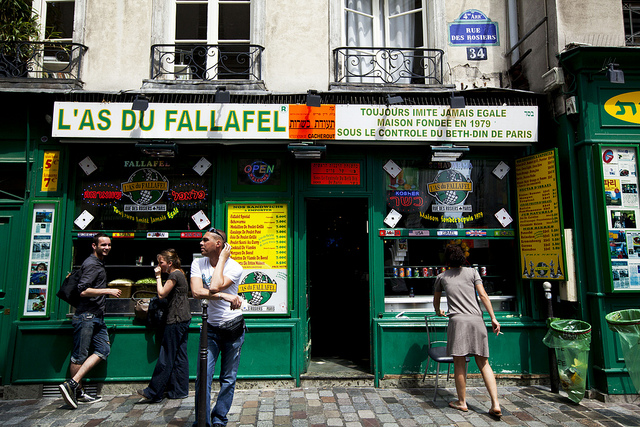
{"points": [[89, 330], [230, 351], [171, 373]]}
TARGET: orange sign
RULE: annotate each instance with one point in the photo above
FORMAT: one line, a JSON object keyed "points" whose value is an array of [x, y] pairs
{"points": [[312, 122]]}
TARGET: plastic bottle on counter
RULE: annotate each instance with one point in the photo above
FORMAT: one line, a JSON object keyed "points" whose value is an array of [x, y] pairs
{"points": [[411, 294]]}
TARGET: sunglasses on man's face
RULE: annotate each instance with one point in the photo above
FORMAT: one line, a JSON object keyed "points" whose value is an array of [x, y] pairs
{"points": [[214, 231]]}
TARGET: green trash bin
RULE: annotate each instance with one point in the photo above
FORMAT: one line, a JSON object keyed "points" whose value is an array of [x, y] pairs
{"points": [[627, 324], [571, 340]]}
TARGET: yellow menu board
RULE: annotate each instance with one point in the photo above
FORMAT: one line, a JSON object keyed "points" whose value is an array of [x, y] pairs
{"points": [[539, 217], [258, 235]]}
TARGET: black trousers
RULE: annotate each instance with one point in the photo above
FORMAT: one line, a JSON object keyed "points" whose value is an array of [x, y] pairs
{"points": [[171, 374]]}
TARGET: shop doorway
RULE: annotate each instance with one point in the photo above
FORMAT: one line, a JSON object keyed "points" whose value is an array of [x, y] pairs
{"points": [[338, 281]]}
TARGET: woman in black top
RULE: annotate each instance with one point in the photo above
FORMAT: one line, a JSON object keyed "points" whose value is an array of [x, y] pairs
{"points": [[171, 374]]}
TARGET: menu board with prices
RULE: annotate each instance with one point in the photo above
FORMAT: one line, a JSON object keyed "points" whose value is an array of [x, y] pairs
{"points": [[620, 184], [258, 235], [39, 260], [539, 217]]}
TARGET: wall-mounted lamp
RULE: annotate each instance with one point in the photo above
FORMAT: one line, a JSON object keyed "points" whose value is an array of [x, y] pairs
{"points": [[158, 148], [140, 103], [222, 95], [447, 152], [301, 150], [394, 99], [456, 101], [614, 75], [313, 99]]}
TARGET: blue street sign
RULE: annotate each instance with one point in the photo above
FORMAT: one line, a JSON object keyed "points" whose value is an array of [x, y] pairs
{"points": [[473, 28]]}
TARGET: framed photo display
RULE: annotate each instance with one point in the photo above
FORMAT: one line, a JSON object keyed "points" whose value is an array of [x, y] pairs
{"points": [[620, 180]]}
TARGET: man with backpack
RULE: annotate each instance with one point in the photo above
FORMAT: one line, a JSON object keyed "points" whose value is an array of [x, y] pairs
{"points": [[89, 329]]}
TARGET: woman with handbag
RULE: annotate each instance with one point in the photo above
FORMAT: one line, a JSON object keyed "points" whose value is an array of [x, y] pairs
{"points": [[171, 374]]}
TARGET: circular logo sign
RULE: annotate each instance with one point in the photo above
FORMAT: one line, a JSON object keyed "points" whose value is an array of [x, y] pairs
{"points": [[145, 186], [259, 172], [607, 156], [542, 269], [450, 187], [257, 288]]}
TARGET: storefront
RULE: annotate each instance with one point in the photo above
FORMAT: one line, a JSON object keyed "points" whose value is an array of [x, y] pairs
{"points": [[598, 141], [339, 215]]}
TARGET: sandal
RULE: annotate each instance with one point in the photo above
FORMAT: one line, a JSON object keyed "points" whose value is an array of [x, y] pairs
{"points": [[458, 406], [496, 414]]}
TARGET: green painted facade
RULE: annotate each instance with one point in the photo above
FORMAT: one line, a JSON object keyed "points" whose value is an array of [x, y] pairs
{"points": [[277, 346], [581, 138]]}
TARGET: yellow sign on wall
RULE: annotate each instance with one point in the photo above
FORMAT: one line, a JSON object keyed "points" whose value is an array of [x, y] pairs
{"points": [[624, 107], [258, 235], [539, 219], [50, 171]]}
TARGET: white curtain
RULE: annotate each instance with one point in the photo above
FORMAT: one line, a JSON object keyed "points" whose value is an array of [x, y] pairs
{"points": [[380, 23], [401, 28], [359, 26]]}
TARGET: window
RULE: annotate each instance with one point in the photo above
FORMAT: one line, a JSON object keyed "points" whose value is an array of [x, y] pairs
{"points": [[58, 22], [212, 39], [389, 37], [384, 23], [114, 197], [631, 15], [13, 181], [57, 31]]}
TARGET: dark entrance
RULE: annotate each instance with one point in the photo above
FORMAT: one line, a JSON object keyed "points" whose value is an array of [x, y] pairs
{"points": [[338, 280]]}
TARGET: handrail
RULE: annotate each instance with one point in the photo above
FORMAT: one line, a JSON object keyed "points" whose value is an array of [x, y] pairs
{"points": [[387, 65], [41, 60], [206, 62]]}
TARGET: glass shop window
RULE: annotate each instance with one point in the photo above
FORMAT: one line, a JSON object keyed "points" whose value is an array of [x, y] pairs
{"points": [[463, 194], [141, 193]]}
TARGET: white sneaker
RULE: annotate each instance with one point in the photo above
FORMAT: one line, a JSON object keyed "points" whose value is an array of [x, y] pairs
{"points": [[83, 397], [68, 389]]}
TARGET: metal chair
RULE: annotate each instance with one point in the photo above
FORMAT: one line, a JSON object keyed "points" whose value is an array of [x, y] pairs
{"points": [[437, 347]]}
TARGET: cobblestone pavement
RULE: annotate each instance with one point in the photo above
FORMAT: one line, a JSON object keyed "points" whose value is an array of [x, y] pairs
{"points": [[522, 406]]}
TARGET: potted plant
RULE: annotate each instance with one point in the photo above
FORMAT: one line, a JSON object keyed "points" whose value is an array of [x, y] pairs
{"points": [[18, 24]]}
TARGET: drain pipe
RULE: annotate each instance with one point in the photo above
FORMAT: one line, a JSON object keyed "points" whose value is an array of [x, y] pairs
{"points": [[512, 7]]}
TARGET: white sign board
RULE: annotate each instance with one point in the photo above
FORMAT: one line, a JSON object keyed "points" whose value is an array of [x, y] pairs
{"points": [[424, 123], [437, 123], [171, 121]]}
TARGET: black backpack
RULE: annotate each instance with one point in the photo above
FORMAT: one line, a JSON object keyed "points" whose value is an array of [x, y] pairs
{"points": [[69, 290]]}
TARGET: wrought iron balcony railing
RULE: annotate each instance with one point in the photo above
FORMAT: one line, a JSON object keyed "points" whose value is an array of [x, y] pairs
{"points": [[41, 60], [385, 65], [206, 62]]}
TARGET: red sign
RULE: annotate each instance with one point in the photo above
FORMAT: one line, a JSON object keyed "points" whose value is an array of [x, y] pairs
{"points": [[191, 235], [387, 232], [335, 173]]}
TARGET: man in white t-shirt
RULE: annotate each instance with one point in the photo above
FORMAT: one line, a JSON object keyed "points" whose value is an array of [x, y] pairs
{"points": [[216, 277]]}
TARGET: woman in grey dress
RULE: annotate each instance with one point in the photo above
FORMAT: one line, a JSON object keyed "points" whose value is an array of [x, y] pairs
{"points": [[467, 333]]}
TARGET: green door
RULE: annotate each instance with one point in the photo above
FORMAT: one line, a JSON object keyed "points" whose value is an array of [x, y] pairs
{"points": [[10, 278]]}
